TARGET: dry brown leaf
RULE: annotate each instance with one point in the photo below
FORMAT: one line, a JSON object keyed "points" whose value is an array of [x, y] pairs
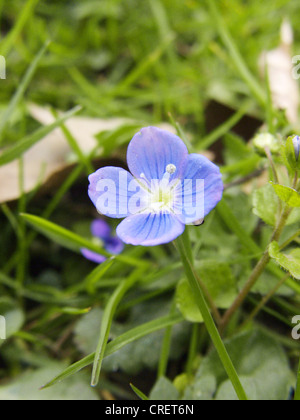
{"points": [[51, 156], [284, 88]]}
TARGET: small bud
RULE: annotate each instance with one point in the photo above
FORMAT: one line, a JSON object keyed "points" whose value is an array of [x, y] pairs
{"points": [[292, 152], [296, 143], [263, 140]]}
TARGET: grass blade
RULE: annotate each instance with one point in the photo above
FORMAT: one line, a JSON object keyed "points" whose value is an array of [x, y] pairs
{"points": [[236, 56], [139, 393], [10, 39], [118, 343], [21, 89], [107, 319], [61, 235], [23, 145]]}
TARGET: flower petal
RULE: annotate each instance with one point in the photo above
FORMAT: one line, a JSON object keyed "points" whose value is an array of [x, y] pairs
{"points": [[114, 245], [100, 229], [93, 256], [150, 229], [115, 193], [152, 150], [200, 191]]}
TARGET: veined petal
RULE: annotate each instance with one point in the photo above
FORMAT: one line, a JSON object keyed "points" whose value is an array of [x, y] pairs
{"points": [[152, 150], [150, 229], [115, 193], [200, 190], [100, 229], [93, 256]]}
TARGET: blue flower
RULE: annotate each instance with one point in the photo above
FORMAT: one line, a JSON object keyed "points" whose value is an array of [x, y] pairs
{"points": [[166, 189], [101, 231]]}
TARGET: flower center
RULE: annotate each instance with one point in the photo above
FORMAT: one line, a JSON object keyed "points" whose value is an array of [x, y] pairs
{"points": [[162, 196]]}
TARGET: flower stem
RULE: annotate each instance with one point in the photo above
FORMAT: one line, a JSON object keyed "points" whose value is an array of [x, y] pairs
{"points": [[208, 320]]}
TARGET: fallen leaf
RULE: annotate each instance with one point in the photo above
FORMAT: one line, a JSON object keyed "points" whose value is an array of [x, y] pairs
{"points": [[278, 62], [51, 159]]}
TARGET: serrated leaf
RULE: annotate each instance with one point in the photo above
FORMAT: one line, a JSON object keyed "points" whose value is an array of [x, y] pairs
{"points": [[290, 262], [287, 194]]}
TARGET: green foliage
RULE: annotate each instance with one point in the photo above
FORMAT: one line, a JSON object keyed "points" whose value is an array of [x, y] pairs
{"points": [[261, 363], [290, 196], [14, 317], [164, 390], [218, 281], [27, 387], [139, 355], [290, 262]]}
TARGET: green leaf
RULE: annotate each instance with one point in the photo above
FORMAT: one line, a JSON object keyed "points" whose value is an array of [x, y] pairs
{"points": [[13, 316], [23, 145], [138, 355], [287, 194], [85, 340], [139, 393], [265, 204], [290, 262], [61, 235], [164, 390], [72, 241], [27, 387], [219, 282], [107, 320], [261, 364]]}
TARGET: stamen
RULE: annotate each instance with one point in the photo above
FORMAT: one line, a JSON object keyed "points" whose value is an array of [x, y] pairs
{"points": [[171, 169]]}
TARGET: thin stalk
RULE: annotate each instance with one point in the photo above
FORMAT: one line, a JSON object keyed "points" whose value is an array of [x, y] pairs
{"points": [[264, 301], [208, 320], [206, 293], [194, 345], [290, 240], [166, 346], [259, 268]]}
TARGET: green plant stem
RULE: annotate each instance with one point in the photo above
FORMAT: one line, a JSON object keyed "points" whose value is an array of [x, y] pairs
{"points": [[297, 393], [166, 346], [264, 301], [207, 295], [194, 344], [259, 268], [290, 240], [208, 320]]}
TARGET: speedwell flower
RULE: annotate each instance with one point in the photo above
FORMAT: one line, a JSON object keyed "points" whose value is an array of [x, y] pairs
{"points": [[166, 189], [101, 232]]}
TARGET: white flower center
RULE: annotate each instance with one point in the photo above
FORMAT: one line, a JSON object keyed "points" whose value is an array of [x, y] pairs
{"points": [[162, 192]]}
